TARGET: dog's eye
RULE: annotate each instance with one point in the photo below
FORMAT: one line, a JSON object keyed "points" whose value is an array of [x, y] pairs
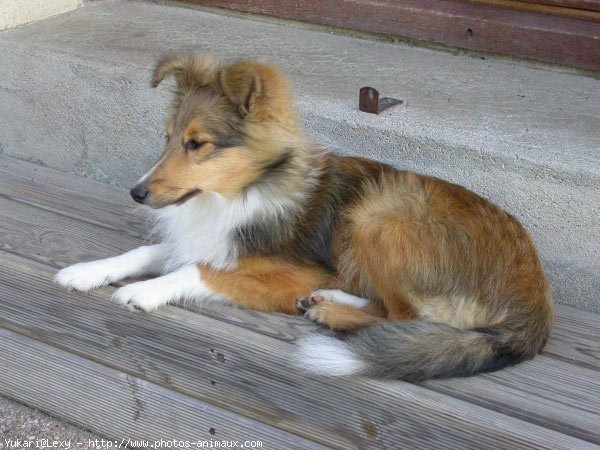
{"points": [[193, 144]]}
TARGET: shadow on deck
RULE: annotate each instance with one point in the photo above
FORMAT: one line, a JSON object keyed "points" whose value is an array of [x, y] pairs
{"points": [[216, 372]]}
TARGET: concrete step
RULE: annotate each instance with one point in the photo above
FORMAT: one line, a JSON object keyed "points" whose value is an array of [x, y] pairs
{"points": [[75, 95]]}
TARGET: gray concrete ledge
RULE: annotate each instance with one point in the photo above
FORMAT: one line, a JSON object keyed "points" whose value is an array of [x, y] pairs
{"points": [[75, 95]]}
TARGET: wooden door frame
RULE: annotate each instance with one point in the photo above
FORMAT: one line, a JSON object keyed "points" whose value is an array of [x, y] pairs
{"points": [[554, 34]]}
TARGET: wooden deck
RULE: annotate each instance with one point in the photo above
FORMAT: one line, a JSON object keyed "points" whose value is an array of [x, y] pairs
{"points": [[221, 373]]}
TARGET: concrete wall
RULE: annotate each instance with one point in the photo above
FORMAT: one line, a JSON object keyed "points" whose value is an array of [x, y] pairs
{"points": [[18, 12]]}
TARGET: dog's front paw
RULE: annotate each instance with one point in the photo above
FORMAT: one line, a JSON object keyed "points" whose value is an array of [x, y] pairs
{"points": [[82, 277], [144, 295]]}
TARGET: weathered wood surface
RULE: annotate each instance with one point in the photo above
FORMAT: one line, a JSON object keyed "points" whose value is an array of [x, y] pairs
{"points": [[243, 371], [544, 391], [114, 403], [545, 7], [590, 5], [246, 372], [240, 361], [91, 202]]}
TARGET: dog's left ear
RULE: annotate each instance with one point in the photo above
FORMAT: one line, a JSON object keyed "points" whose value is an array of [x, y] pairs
{"points": [[256, 88]]}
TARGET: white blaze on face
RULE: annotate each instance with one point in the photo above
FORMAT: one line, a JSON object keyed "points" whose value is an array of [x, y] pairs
{"points": [[147, 174]]}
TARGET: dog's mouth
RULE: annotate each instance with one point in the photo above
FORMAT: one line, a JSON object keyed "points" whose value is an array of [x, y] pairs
{"points": [[158, 203], [185, 197]]}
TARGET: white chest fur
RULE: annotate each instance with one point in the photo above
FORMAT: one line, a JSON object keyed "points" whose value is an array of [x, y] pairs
{"points": [[202, 229]]}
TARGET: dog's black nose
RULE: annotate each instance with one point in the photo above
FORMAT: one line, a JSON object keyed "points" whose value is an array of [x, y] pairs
{"points": [[139, 193]]}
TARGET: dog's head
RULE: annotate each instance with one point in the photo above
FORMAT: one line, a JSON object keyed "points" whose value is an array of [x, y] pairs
{"points": [[229, 124]]}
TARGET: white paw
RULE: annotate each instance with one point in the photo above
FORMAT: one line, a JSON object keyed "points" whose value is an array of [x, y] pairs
{"points": [[339, 297], [144, 295], [82, 277]]}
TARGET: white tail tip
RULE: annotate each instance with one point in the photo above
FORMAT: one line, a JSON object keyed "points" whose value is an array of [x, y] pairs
{"points": [[327, 356]]}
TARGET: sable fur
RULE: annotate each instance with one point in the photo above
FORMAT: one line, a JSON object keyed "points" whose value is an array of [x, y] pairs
{"points": [[453, 283]]}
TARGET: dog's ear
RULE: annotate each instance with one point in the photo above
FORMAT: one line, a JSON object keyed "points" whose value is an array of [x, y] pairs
{"points": [[256, 88], [190, 72]]}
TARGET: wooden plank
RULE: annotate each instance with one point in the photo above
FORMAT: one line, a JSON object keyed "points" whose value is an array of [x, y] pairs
{"points": [[54, 238], [543, 391], [48, 234], [575, 338], [540, 37], [58, 240], [248, 373], [71, 196], [93, 203], [541, 8], [120, 406], [591, 5]]}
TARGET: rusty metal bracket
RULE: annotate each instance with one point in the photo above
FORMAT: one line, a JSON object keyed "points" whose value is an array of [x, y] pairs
{"points": [[369, 101]]}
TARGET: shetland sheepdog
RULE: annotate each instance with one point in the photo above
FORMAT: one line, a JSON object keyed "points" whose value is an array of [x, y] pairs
{"points": [[427, 278]]}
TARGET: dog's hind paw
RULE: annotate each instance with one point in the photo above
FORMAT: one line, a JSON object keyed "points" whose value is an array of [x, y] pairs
{"points": [[330, 295], [305, 303], [327, 314], [339, 297]]}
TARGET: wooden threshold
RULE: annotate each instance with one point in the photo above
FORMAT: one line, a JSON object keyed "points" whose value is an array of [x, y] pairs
{"points": [[589, 5], [548, 33]]}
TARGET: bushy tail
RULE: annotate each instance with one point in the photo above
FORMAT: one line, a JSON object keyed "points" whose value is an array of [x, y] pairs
{"points": [[417, 350]]}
